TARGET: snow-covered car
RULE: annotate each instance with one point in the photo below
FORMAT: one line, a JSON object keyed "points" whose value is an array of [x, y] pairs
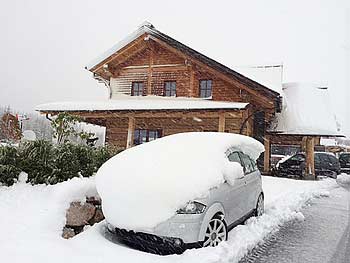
{"points": [[344, 160], [180, 191], [326, 164]]}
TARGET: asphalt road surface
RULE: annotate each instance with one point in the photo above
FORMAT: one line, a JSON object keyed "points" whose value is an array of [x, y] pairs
{"points": [[324, 235]]}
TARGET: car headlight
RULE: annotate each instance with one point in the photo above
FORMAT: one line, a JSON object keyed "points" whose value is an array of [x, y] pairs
{"points": [[192, 208]]}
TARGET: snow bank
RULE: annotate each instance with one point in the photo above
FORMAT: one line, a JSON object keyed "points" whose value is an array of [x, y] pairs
{"points": [[145, 185], [32, 218], [306, 110], [284, 198], [343, 179]]}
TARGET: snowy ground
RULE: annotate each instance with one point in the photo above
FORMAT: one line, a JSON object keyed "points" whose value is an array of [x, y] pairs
{"points": [[32, 218]]}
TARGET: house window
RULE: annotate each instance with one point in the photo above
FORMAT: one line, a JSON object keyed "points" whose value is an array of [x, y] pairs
{"points": [[142, 135], [169, 88], [137, 89], [205, 88]]}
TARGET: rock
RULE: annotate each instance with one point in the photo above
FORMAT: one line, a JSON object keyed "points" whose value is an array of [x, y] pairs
{"points": [[79, 214], [68, 233], [98, 217], [95, 200]]}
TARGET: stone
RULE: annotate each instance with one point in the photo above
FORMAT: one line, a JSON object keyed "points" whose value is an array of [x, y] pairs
{"points": [[98, 217], [95, 200], [79, 214], [68, 233]]}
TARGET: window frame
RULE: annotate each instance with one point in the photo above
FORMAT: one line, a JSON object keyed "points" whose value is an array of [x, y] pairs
{"points": [[250, 163], [171, 88], [206, 88], [137, 139], [138, 83]]}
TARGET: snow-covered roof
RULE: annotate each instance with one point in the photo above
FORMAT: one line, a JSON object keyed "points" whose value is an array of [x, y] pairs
{"points": [[306, 111], [146, 183], [140, 103]]}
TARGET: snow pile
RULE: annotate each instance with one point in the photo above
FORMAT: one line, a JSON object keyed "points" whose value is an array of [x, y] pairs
{"points": [[145, 185], [32, 218], [343, 179], [306, 110]]}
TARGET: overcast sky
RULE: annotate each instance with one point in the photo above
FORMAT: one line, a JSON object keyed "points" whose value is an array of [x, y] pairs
{"points": [[46, 44]]}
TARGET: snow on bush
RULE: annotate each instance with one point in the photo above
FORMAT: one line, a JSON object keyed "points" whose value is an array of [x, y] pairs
{"points": [[343, 178], [145, 185]]}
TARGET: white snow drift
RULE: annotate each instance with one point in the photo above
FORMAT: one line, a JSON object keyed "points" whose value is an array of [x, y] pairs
{"points": [[32, 218], [343, 179], [145, 185]]}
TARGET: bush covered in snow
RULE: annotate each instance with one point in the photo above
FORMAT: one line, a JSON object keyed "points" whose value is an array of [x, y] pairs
{"points": [[47, 163]]}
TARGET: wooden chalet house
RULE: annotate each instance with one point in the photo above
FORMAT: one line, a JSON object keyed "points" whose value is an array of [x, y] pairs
{"points": [[159, 86]]}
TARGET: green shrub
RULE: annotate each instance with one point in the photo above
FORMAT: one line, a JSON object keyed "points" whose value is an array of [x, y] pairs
{"points": [[47, 163], [8, 155], [37, 160], [8, 174]]}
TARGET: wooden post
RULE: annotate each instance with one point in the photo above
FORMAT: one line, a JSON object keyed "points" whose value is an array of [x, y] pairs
{"points": [[303, 144], [221, 122], [192, 76], [267, 154], [150, 71], [310, 159], [248, 126], [131, 130]]}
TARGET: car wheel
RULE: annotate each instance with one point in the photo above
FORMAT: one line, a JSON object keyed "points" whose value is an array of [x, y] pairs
{"points": [[259, 210], [216, 232]]}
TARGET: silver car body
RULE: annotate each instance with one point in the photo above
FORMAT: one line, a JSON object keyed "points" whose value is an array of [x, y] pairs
{"points": [[232, 202]]}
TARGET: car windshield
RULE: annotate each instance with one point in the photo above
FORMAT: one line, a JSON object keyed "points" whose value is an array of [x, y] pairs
{"points": [[344, 158], [297, 157]]}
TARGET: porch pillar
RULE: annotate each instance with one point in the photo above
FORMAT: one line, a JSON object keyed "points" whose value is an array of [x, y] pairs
{"points": [[131, 130], [310, 158], [267, 154], [221, 122]]}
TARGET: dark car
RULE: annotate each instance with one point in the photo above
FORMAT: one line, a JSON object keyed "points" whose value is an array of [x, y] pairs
{"points": [[326, 164], [344, 160]]}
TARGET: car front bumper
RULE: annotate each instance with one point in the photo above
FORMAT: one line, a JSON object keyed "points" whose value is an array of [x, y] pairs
{"points": [[345, 170], [176, 234]]}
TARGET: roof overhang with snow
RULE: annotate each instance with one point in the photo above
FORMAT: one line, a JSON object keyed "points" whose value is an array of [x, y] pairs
{"points": [[146, 103], [307, 111]]}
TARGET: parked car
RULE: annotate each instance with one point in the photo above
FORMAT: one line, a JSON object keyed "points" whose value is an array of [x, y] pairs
{"points": [[326, 164], [203, 221], [344, 160]]}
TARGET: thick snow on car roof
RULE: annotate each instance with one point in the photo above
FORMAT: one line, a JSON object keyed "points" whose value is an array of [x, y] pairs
{"points": [[145, 185]]}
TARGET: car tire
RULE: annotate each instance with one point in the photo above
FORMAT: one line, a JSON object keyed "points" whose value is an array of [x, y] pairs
{"points": [[259, 209], [216, 232]]}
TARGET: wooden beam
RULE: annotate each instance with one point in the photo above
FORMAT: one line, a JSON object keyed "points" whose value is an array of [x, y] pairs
{"points": [[221, 127], [123, 50], [267, 154], [310, 159], [192, 92], [131, 130], [150, 71], [154, 114]]}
